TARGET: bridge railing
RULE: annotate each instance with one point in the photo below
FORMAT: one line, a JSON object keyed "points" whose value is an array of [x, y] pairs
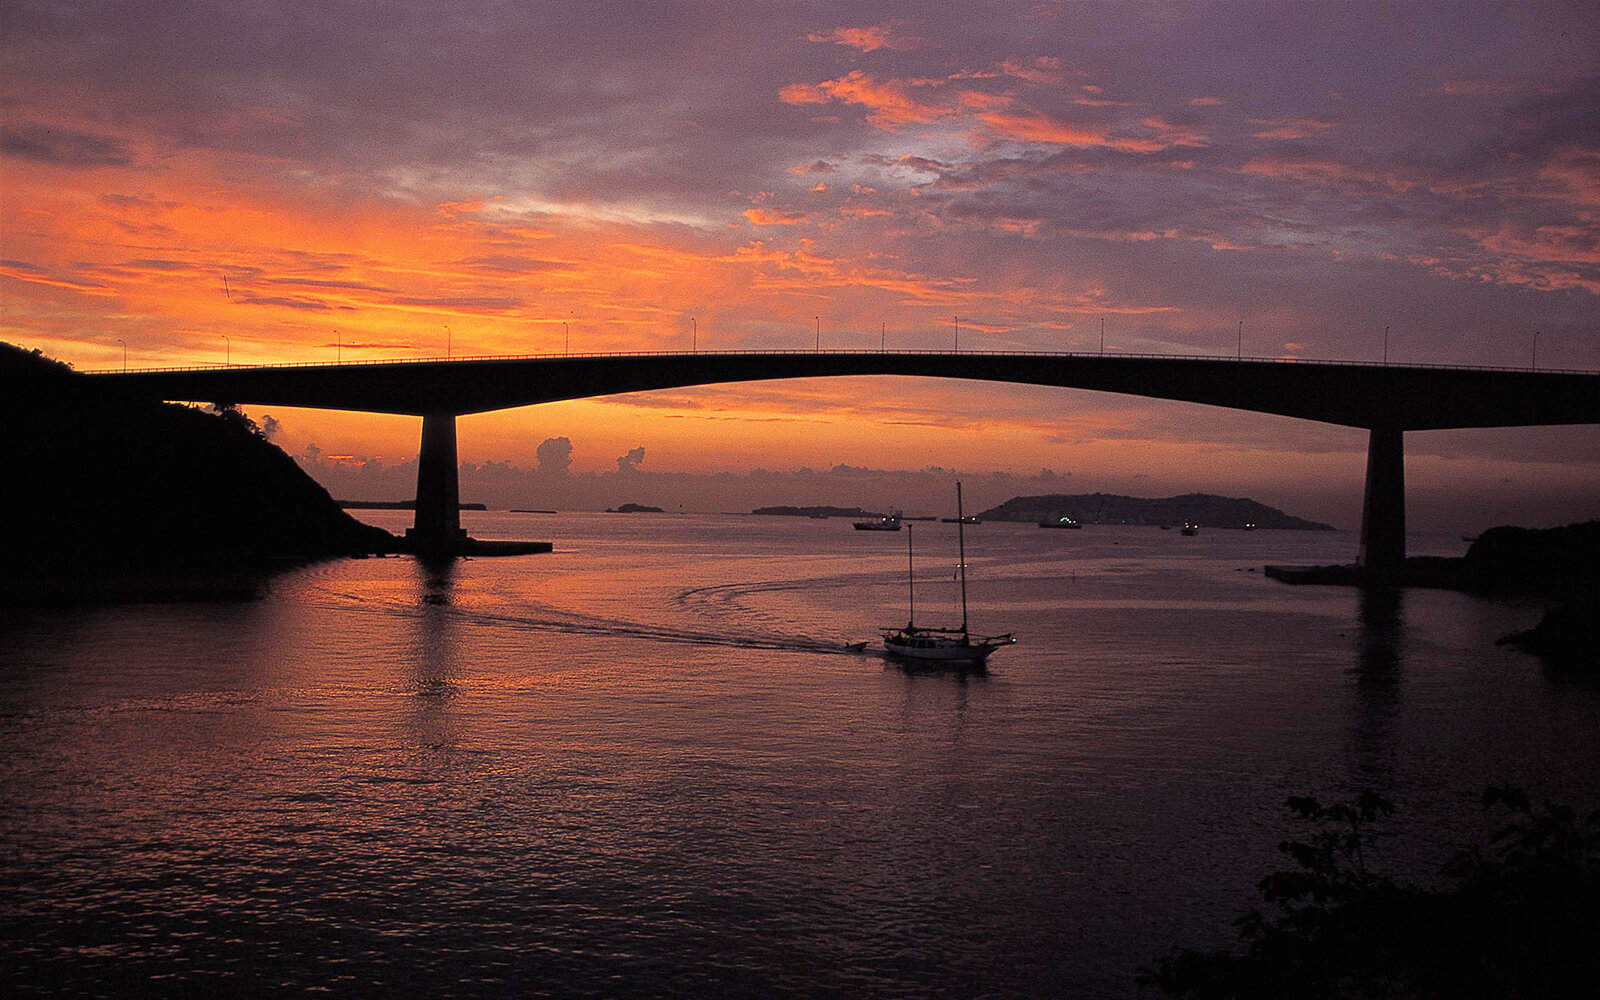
{"points": [[223, 366]]}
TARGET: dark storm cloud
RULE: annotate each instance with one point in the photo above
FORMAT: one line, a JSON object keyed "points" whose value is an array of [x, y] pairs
{"points": [[631, 461], [621, 97], [509, 264], [1185, 162], [358, 286], [1567, 119], [470, 302], [309, 305], [555, 456], [63, 147]]}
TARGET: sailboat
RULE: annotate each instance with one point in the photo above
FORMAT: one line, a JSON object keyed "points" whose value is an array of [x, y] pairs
{"points": [[954, 646]]}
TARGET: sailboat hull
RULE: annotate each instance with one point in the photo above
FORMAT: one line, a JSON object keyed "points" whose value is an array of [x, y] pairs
{"points": [[954, 646], [940, 649]]}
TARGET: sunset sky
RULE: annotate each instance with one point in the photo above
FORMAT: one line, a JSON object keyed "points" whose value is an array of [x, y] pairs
{"points": [[370, 180]]}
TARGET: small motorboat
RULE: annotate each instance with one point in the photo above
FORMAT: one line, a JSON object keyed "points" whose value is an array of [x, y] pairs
{"points": [[1060, 522]]}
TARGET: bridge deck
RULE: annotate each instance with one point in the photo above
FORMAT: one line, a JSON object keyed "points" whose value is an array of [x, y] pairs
{"points": [[1407, 397]]}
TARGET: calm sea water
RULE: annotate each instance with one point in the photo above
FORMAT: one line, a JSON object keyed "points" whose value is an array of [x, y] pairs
{"points": [[644, 765]]}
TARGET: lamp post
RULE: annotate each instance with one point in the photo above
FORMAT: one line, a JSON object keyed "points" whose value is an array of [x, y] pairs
{"points": [[1536, 350], [1385, 345], [1102, 334], [1239, 351], [566, 347], [338, 341], [819, 333], [124, 344], [694, 335], [447, 336], [883, 337], [958, 334], [227, 352]]}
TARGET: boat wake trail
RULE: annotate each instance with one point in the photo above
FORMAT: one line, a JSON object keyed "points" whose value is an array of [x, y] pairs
{"points": [[541, 618]]}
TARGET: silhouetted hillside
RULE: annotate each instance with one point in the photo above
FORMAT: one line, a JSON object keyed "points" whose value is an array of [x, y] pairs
{"points": [[1107, 508], [101, 487]]}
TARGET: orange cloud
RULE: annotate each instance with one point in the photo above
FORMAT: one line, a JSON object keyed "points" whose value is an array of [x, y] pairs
{"points": [[865, 39], [1032, 126], [1040, 70], [1326, 171], [1291, 128], [890, 103], [1174, 134], [771, 217]]}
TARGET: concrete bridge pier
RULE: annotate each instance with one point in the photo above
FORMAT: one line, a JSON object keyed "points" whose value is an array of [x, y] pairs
{"points": [[1383, 509], [437, 528]]}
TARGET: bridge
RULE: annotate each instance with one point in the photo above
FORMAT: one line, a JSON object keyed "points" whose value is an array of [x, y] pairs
{"points": [[1387, 400]]}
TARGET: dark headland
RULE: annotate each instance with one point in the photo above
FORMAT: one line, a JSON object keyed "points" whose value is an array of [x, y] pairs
{"points": [[116, 499], [1560, 564], [1553, 562]]}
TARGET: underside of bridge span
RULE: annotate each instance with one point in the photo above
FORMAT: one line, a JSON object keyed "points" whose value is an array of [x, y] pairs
{"points": [[1386, 400]]}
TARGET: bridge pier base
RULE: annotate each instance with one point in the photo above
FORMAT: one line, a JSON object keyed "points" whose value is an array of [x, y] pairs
{"points": [[1383, 509], [437, 528]]}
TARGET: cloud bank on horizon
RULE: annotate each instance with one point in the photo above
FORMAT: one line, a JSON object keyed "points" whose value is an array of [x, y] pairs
{"points": [[361, 180]]}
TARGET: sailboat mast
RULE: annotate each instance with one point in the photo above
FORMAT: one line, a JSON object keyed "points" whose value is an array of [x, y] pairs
{"points": [[911, 580], [961, 541]]}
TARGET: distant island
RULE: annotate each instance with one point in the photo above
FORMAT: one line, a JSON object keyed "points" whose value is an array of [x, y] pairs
{"points": [[815, 512], [1109, 508], [634, 508], [396, 505], [124, 499]]}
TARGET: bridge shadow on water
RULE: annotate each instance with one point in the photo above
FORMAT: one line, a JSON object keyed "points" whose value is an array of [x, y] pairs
{"points": [[1380, 653], [435, 665]]}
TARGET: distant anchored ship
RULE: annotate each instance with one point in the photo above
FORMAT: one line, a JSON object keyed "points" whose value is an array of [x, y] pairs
{"points": [[888, 522]]}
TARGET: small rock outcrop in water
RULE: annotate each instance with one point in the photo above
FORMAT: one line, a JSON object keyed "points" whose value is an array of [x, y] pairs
{"points": [[1559, 562], [634, 508], [111, 498], [1567, 637], [1108, 508]]}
